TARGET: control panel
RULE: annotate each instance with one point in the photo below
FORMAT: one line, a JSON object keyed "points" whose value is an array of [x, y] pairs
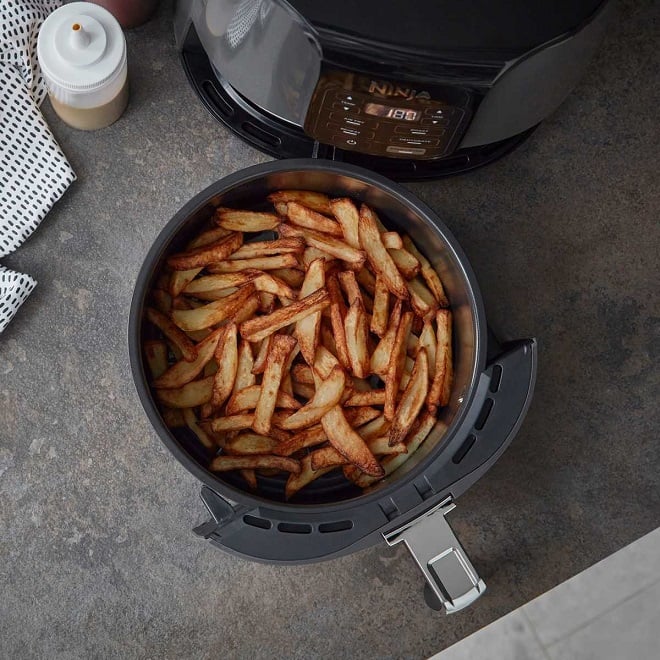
{"points": [[382, 118]]}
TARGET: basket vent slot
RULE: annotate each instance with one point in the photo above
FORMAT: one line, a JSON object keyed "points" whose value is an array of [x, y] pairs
{"points": [[294, 528], [339, 526], [464, 449], [253, 521], [483, 415]]}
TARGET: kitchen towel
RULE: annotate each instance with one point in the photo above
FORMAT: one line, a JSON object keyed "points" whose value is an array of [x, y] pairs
{"points": [[34, 173]]}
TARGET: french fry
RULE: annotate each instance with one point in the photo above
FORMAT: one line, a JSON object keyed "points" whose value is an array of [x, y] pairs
{"points": [[380, 358], [349, 283], [348, 443], [307, 329], [391, 240], [191, 395], [412, 400], [214, 312], [441, 386], [378, 257], [303, 374], [314, 200], [376, 428], [286, 385], [250, 443], [357, 417], [312, 253], [292, 277], [396, 363], [221, 282], [232, 422], [356, 329], [427, 339], [173, 333], [326, 336], [309, 437], [206, 254], [337, 315], [226, 357], [327, 395], [381, 308], [421, 299], [333, 246], [324, 363], [305, 217], [407, 264], [280, 208], [260, 263], [367, 281], [183, 372], [245, 221], [269, 284], [371, 398], [279, 351], [215, 294], [269, 248], [429, 274], [250, 477], [247, 311], [297, 481], [259, 328], [173, 417], [212, 235], [329, 457], [262, 354], [266, 302], [347, 216], [202, 435], [225, 463], [162, 301], [303, 390], [155, 353], [247, 398]]}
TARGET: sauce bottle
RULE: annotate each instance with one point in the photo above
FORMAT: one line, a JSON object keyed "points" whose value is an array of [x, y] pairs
{"points": [[82, 53]]}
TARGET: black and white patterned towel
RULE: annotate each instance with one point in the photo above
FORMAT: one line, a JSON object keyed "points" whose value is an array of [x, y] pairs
{"points": [[34, 173]]}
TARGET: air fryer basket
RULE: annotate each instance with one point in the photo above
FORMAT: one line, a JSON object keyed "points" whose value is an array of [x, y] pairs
{"points": [[331, 517]]}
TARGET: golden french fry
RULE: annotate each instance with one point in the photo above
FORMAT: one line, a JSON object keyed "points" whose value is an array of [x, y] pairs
{"points": [[191, 395], [378, 257], [247, 311], [367, 281], [303, 374], [291, 276], [259, 328], [441, 386], [333, 246], [326, 336], [181, 278], [279, 351], [209, 236], [269, 248], [280, 208], [287, 383], [359, 416], [327, 395], [429, 274], [250, 477], [226, 357], [266, 302], [370, 398], [297, 481], [307, 329], [244, 376], [312, 253], [232, 422], [392, 240], [422, 300], [162, 301], [380, 358], [330, 457], [206, 254], [249, 221], [247, 398], [349, 284], [348, 443], [269, 284], [155, 353], [303, 390], [183, 372], [250, 443], [347, 216], [324, 363], [215, 294], [173, 333], [262, 354], [221, 282], [224, 463], [214, 312], [396, 364], [412, 400], [376, 428], [406, 263], [313, 200], [381, 309], [202, 435], [305, 217], [310, 437], [356, 329], [428, 340], [260, 263]]}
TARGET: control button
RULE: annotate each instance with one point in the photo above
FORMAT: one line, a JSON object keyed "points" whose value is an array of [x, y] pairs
{"points": [[342, 118], [344, 141], [416, 141], [346, 107], [410, 130], [405, 151], [438, 113], [345, 96], [436, 125]]}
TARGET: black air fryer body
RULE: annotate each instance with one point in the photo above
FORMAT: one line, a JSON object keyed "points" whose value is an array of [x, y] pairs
{"points": [[413, 90]]}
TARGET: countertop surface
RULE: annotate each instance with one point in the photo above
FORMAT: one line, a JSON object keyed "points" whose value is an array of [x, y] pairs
{"points": [[98, 558]]}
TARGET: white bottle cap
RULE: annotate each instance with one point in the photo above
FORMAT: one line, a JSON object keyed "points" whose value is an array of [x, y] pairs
{"points": [[82, 53]]}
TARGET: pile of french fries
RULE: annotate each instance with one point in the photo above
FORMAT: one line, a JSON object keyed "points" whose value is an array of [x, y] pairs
{"points": [[326, 346]]}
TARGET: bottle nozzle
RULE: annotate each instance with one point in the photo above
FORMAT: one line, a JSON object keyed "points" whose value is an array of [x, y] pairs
{"points": [[79, 37]]}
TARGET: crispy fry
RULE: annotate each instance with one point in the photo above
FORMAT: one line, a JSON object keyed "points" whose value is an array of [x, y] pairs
{"points": [[155, 353], [181, 278], [162, 301], [310, 437], [260, 361], [412, 400], [305, 217], [359, 416], [333, 246], [392, 240], [221, 282], [347, 216], [396, 364], [312, 253], [429, 274], [190, 395], [441, 386], [269, 284], [356, 329], [250, 443], [376, 428], [407, 264], [348, 443], [232, 423], [349, 284], [249, 221], [370, 398], [381, 308], [226, 357], [330, 457], [259, 328], [428, 340], [214, 312], [183, 372], [286, 385], [260, 263], [421, 299], [224, 463], [250, 477], [303, 374], [173, 333], [327, 394], [247, 398], [314, 200], [379, 258], [367, 281], [247, 311], [307, 329], [279, 351], [303, 390], [297, 481], [269, 248], [206, 254], [380, 358], [202, 435], [326, 336], [291, 276], [324, 363]]}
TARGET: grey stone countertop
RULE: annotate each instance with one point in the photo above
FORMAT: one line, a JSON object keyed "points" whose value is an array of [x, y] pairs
{"points": [[96, 550]]}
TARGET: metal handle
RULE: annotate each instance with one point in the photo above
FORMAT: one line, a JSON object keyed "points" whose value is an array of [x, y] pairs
{"points": [[434, 546]]}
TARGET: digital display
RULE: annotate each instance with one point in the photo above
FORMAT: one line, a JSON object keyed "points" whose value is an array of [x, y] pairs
{"points": [[406, 114]]}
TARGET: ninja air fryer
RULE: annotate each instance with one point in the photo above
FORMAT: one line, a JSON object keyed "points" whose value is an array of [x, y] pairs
{"points": [[412, 90]]}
